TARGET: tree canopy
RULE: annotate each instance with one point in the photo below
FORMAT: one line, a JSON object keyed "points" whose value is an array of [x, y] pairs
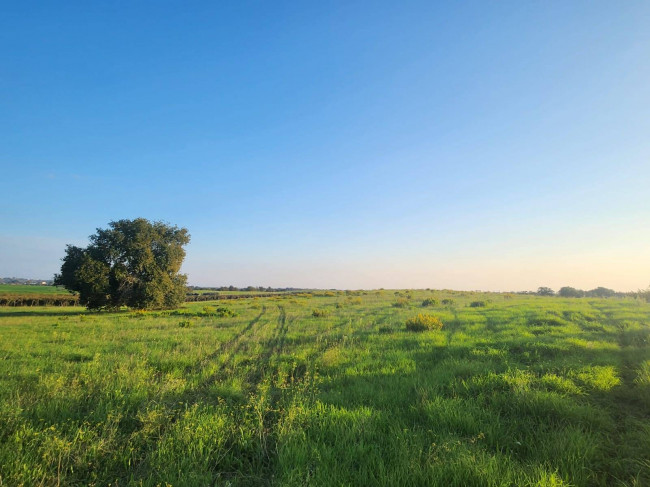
{"points": [[134, 263], [571, 292], [545, 291]]}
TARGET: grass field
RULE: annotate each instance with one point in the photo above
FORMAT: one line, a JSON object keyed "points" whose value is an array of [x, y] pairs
{"points": [[30, 289], [329, 390]]}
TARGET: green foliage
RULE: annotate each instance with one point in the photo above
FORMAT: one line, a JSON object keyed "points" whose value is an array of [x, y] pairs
{"points": [[133, 263], [570, 292], [320, 313], [600, 292], [401, 303], [223, 312], [185, 324], [448, 301], [423, 322], [478, 304], [429, 302], [209, 310], [545, 291]]}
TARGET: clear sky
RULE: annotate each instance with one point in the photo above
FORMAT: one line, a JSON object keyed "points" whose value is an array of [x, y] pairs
{"points": [[465, 145]]}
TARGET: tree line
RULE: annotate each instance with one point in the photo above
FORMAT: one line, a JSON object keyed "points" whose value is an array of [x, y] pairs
{"points": [[250, 289], [599, 292]]}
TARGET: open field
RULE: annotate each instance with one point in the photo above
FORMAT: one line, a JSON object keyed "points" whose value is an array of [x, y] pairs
{"points": [[523, 391], [28, 289]]}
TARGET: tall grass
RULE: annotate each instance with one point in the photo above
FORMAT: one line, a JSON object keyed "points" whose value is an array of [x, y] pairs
{"points": [[525, 391]]}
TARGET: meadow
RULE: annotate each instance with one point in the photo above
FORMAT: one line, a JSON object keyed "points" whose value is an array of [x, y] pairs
{"points": [[30, 289], [330, 389]]}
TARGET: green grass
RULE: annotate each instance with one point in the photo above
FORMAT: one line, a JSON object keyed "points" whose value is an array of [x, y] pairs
{"points": [[31, 289], [524, 391]]}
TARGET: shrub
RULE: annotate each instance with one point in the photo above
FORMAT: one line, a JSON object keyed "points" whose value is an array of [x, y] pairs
{"points": [[220, 311], [319, 313], [401, 303], [209, 310], [224, 312], [185, 324], [354, 300], [429, 302], [422, 322], [448, 301], [478, 304]]}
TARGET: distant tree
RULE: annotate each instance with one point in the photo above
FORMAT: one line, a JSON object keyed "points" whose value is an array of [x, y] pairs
{"points": [[545, 291], [570, 292], [601, 292], [133, 263]]}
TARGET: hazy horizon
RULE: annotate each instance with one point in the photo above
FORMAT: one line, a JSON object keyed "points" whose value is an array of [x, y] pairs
{"points": [[467, 146]]}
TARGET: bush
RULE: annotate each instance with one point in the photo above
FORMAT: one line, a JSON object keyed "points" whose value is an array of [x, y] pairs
{"points": [[185, 324], [422, 322], [220, 311], [223, 312], [429, 302], [319, 313], [448, 301], [401, 303], [354, 300], [478, 304], [209, 310]]}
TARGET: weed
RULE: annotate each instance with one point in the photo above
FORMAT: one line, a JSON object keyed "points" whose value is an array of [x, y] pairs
{"points": [[319, 313], [422, 322], [401, 303]]}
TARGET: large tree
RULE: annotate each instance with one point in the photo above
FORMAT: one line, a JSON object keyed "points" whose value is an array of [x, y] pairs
{"points": [[132, 263]]}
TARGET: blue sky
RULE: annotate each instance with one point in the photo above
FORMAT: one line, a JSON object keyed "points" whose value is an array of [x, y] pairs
{"points": [[486, 145]]}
